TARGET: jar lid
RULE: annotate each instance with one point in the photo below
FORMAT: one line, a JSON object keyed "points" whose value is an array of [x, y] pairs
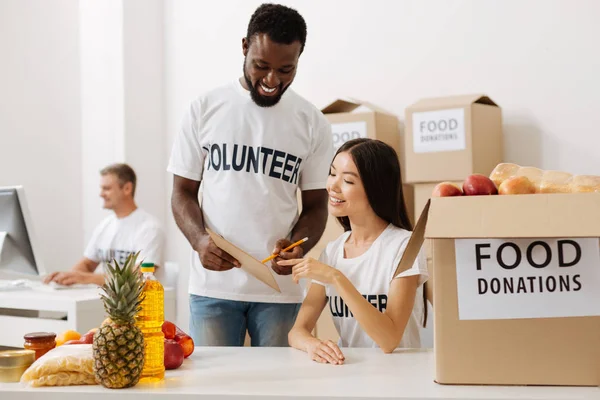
{"points": [[16, 358], [40, 336]]}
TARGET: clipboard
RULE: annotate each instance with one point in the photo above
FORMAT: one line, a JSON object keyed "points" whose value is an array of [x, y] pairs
{"points": [[249, 264]]}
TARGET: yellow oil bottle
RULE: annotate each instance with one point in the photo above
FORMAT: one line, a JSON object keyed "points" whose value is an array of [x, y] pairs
{"points": [[150, 320]]}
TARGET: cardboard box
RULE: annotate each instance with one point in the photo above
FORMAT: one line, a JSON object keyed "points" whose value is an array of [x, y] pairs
{"points": [[419, 194], [507, 319], [351, 119], [450, 138]]}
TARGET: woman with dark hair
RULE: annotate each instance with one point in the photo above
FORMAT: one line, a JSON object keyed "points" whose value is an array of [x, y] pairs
{"points": [[370, 306]]}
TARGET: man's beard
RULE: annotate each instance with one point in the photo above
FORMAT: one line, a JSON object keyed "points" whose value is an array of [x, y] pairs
{"points": [[260, 100]]}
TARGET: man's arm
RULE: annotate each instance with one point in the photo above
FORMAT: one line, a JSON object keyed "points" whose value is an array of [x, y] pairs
{"points": [[85, 265], [82, 272], [311, 224], [188, 216]]}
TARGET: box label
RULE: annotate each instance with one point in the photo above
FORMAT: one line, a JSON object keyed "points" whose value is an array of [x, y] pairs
{"points": [[346, 131], [527, 278], [435, 131]]}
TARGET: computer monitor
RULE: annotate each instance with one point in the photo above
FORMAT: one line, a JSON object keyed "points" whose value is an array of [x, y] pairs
{"points": [[20, 256]]}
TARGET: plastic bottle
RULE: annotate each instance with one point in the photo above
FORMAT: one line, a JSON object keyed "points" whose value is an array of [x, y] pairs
{"points": [[150, 320]]}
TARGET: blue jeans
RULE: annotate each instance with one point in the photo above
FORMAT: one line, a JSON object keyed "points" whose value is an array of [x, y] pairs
{"points": [[217, 322]]}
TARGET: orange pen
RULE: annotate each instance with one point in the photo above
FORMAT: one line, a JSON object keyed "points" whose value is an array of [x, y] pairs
{"points": [[291, 246]]}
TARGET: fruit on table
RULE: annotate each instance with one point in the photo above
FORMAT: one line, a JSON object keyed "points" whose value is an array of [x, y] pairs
{"points": [[66, 336], [87, 338], [173, 354], [118, 346], [479, 185], [186, 342], [446, 189], [169, 330], [172, 331]]}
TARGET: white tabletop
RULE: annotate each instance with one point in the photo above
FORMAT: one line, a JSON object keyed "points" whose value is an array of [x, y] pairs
{"points": [[259, 373]]}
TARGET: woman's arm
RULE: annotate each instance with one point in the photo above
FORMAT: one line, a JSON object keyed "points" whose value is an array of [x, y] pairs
{"points": [[386, 329], [300, 336]]}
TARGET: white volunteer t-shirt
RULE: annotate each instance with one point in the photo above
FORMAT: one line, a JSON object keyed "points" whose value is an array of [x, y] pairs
{"points": [[371, 274], [251, 160], [116, 238]]}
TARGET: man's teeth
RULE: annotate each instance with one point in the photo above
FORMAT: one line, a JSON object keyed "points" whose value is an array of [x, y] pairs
{"points": [[266, 89], [336, 200]]}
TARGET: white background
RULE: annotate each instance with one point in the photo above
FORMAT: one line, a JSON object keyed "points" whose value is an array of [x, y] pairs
{"points": [[535, 58], [529, 304]]}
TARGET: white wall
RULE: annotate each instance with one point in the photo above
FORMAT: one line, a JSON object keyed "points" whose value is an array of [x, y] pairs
{"points": [[535, 58], [40, 122]]}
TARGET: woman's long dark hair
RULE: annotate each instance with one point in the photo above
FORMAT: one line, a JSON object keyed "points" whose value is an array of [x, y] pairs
{"points": [[379, 171]]}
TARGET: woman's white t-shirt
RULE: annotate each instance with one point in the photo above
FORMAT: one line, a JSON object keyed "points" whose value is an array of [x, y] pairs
{"points": [[371, 274]]}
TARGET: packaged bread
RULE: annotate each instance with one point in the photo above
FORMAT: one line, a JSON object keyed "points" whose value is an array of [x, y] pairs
{"points": [[533, 174], [546, 181], [503, 171], [585, 183], [556, 182], [62, 366]]}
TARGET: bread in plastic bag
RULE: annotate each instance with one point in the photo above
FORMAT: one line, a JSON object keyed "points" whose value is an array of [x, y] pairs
{"points": [[547, 181], [62, 366]]}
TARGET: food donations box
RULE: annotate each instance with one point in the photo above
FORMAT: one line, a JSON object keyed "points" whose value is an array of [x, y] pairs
{"points": [[517, 289], [450, 138]]}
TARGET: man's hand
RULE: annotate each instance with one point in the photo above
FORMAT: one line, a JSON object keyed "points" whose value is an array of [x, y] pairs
{"points": [[212, 257], [69, 278], [296, 252]]}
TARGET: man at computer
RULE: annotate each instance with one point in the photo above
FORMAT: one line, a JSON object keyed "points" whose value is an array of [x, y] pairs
{"points": [[127, 230]]}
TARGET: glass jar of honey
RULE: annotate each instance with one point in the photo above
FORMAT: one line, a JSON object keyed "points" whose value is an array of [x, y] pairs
{"points": [[40, 342]]}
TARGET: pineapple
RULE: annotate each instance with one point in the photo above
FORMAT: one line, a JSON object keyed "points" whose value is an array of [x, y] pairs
{"points": [[118, 345]]}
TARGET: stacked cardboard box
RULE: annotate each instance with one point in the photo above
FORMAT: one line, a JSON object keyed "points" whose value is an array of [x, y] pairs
{"points": [[448, 139]]}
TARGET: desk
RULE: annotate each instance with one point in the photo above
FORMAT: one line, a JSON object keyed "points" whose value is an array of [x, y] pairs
{"points": [[83, 307], [277, 373]]}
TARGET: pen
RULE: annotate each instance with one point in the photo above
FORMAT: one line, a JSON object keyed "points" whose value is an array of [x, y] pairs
{"points": [[291, 246]]}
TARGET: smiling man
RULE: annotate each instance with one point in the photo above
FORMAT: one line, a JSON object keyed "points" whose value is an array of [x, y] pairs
{"points": [[251, 144], [128, 229]]}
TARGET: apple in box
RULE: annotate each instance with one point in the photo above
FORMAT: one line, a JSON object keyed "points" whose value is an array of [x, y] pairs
{"points": [[517, 185], [446, 189], [479, 185]]}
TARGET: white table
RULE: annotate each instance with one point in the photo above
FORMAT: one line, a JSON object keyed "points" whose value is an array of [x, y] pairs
{"points": [[83, 308], [276, 373]]}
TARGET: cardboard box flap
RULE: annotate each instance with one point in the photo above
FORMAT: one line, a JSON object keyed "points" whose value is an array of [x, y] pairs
{"points": [[414, 243], [514, 216], [349, 105], [452, 101]]}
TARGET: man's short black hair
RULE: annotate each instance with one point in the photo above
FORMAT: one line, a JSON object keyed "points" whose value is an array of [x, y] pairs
{"points": [[282, 24]]}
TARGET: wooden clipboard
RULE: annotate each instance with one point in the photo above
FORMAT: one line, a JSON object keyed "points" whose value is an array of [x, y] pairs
{"points": [[249, 264]]}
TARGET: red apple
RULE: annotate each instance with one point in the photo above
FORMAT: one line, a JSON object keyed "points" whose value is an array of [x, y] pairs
{"points": [[517, 185], [479, 185], [169, 330], [446, 189], [88, 338], [173, 354], [186, 342]]}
